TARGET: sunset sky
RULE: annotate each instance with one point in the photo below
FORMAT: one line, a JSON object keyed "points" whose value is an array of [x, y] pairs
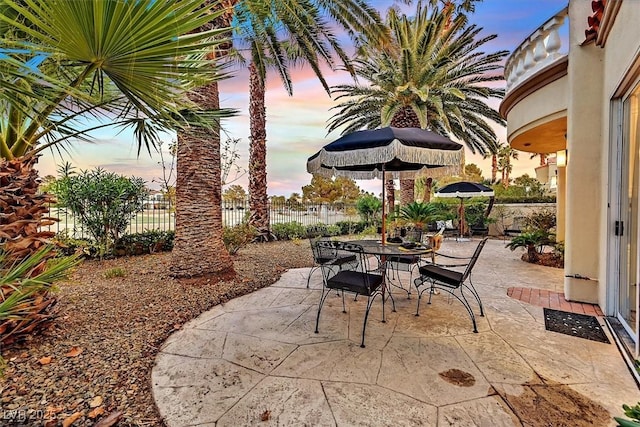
{"points": [[296, 126]]}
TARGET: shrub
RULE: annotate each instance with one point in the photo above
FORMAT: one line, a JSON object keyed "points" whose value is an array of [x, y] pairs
{"points": [[543, 219], [351, 227], [289, 230], [102, 201], [69, 246], [322, 230], [238, 236], [419, 214], [147, 242], [533, 241], [369, 208]]}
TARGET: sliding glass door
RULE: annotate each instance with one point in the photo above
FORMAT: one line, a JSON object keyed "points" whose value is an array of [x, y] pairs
{"points": [[627, 228]]}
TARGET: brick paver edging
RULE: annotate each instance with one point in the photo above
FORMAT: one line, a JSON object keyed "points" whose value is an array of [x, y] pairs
{"points": [[551, 299]]}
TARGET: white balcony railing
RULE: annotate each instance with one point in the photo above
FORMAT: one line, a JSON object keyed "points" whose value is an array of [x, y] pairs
{"points": [[542, 48]]}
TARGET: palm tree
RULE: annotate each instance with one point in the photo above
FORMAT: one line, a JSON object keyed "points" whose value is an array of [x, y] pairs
{"points": [[198, 249], [66, 62], [432, 76], [203, 197], [505, 155], [494, 150], [278, 39]]}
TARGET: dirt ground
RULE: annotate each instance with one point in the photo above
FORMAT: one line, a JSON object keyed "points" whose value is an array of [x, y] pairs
{"points": [[95, 361]]}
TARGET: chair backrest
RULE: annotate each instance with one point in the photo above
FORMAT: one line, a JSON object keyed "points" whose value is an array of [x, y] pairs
{"points": [[473, 260], [338, 248], [321, 251]]}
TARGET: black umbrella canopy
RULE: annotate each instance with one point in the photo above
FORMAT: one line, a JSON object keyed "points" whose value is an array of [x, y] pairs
{"points": [[465, 189], [365, 154], [462, 190]]}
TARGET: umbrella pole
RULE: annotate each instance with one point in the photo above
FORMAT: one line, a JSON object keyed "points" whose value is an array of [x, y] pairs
{"points": [[384, 227]]}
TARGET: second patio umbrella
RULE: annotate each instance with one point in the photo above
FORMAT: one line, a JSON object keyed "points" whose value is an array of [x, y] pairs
{"points": [[387, 152], [463, 190]]}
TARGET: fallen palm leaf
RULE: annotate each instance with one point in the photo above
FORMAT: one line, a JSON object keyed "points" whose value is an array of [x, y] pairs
{"points": [[74, 352]]}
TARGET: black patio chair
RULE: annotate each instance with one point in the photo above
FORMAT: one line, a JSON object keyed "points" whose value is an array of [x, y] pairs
{"points": [[358, 280], [410, 263], [323, 255], [438, 276]]}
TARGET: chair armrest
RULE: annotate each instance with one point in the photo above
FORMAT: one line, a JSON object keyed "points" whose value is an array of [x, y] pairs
{"points": [[439, 264]]}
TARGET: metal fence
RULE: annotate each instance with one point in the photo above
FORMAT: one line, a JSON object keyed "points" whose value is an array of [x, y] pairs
{"points": [[158, 215]]}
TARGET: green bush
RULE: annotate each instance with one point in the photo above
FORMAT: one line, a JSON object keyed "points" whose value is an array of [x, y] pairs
{"points": [[103, 202], [322, 230], [351, 227], [543, 219], [147, 242], [238, 236], [533, 242], [369, 207], [525, 199], [69, 245], [289, 230]]}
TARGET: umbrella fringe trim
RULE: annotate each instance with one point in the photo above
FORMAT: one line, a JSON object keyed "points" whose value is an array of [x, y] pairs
{"points": [[436, 172], [395, 149]]}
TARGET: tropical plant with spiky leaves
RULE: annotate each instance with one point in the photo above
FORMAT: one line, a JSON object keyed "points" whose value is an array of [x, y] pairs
{"points": [[130, 64], [433, 75], [26, 302]]}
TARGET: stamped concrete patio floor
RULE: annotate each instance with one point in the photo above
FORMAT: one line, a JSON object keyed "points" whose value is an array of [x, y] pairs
{"points": [[257, 361]]}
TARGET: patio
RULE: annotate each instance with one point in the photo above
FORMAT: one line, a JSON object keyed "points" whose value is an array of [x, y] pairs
{"points": [[256, 360]]}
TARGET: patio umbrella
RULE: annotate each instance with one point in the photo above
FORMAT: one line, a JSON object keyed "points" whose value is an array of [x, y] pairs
{"points": [[387, 152], [463, 190]]}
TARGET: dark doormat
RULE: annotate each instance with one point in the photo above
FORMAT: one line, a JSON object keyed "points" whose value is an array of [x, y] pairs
{"points": [[574, 324]]}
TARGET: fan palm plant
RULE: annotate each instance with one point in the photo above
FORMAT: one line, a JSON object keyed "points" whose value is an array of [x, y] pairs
{"points": [[432, 75], [130, 63], [76, 67]]}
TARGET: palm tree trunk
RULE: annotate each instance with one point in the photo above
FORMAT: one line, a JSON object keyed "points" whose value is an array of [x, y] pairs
{"points": [[258, 200], [494, 168], [428, 184], [407, 191], [198, 249], [506, 175], [391, 197]]}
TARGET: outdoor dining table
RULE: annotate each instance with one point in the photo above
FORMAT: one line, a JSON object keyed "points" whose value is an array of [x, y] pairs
{"points": [[383, 250]]}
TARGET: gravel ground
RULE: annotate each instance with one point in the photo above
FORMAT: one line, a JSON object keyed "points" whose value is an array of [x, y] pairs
{"points": [[95, 361]]}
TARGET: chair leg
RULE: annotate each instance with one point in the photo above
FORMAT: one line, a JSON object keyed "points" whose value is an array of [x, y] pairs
{"points": [[322, 298], [419, 292], [476, 295], [344, 310], [310, 273], [370, 301], [383, 298], [466, 305], [418, 305]]}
